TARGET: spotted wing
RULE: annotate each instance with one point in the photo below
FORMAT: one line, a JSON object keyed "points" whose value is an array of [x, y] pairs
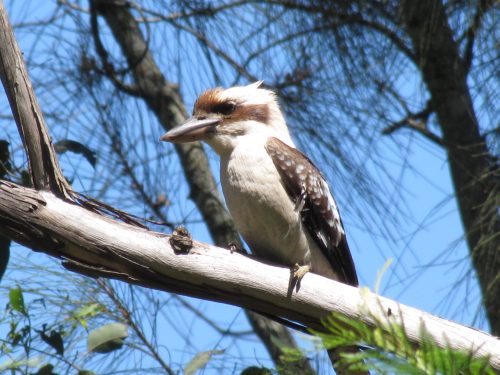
{"points": [[309, 191]]}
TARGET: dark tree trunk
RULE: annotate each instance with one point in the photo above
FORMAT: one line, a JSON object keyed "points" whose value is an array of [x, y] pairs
{"points": [[473, 169]]}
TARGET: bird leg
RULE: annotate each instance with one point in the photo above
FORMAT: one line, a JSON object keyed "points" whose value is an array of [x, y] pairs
{"points": [[296, 275], [300, 271]]}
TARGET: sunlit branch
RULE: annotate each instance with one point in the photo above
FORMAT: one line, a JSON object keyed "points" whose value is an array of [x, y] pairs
{"points": [[95, 245]]}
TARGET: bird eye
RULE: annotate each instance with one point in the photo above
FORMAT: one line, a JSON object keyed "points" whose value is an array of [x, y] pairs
{"points": [[225, 108]]}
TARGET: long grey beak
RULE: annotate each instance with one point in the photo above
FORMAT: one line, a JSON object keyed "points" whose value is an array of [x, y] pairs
{"points": [[192, 130]]}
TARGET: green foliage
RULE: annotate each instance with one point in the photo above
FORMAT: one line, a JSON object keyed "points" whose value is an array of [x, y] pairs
{"points": [[32, 345], [86, 312], [16, 300], [290, 355], [386, 349]]}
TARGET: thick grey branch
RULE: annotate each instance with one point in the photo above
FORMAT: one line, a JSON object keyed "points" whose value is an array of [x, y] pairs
{"points": [[46, 223]]}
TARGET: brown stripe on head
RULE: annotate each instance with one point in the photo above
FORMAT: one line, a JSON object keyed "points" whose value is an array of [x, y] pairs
{"points": [[213, 101], [256, 112], [207, 100]]}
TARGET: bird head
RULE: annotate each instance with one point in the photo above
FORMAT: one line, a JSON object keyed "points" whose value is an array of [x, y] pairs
{"points": [[225, 117]]}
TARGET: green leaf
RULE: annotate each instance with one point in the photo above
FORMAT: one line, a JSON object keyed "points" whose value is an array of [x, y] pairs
{"points": [[16, 335], [87, 311], [69, 145], [200, 360], [16, 300], [389, 350], [107, 338], [86, 372]]}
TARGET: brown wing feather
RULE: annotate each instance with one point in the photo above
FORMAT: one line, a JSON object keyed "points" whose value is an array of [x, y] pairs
{"points": [[309, 191]]}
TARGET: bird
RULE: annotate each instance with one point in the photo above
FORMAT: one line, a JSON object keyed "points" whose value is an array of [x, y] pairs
{"points": [[279, 200]]}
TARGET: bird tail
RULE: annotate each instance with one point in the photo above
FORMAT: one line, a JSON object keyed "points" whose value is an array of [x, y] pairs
{"points": [[335, 358]]}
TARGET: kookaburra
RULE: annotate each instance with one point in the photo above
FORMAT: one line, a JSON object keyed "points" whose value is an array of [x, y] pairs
{"points": [[280, 202]]}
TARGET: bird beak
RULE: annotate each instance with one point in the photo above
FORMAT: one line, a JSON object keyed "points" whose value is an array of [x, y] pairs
{"points": [[192, 130]]}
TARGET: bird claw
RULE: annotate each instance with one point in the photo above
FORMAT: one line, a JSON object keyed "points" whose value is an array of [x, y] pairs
{"points": [[296, 275], [300, 271]]}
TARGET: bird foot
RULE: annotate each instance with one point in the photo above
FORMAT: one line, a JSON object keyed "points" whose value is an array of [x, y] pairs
{"points": [[300, 271], [296, 275]]}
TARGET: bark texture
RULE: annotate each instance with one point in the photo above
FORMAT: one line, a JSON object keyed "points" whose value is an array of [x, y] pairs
{"points": [[44, 168], [99, 246], [474, 170]]}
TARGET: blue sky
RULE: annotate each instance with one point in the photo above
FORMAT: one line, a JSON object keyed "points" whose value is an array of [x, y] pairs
{"points": [[430, 269]]}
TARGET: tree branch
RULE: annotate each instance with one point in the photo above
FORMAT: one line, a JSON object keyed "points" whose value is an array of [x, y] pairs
{"points": [[127, 317], [44, 168], [418, 122], [483, 7], [470, 159], [107, 66], [46, 223], [333, 13]]}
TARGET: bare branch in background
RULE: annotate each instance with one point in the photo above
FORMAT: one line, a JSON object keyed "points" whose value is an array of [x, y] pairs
{"points": [[483, 6], [419, 123]]}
